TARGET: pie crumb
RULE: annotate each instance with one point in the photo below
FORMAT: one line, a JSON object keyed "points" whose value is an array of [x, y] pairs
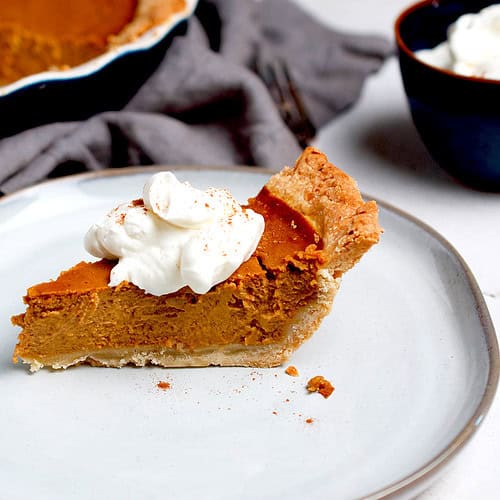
{"points": [[163, 385], [292, 371], [321, 385]]}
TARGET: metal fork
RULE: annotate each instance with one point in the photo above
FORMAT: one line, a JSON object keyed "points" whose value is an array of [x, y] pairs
{"points": [[277, 78]]}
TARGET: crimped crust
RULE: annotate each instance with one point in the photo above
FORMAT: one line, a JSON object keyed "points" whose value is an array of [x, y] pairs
{"points": [[149, 13], [331, 201]]}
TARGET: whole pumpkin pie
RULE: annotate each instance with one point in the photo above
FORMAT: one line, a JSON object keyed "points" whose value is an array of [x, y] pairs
{"points": [[317, 226], [41, 35]]}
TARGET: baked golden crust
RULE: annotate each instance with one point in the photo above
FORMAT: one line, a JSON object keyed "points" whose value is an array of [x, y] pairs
{"points": [[148, 14], [257, 317], [331, 201]]}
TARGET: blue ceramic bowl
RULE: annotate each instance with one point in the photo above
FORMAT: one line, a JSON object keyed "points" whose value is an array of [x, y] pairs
{"points": [[457, 117]]}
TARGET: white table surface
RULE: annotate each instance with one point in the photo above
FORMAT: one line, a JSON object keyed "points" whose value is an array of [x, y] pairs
{"points": [[376, 142]]}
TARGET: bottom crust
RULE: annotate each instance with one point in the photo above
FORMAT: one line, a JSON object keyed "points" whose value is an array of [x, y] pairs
{"points": [[305, 322], [230, 355]]}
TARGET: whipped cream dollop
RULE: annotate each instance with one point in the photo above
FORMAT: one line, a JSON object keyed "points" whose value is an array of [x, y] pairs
{"points": [[176, 236], [472, 48]]}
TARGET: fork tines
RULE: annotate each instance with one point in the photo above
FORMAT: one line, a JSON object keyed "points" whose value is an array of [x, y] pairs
{"points": [[278, 79]]}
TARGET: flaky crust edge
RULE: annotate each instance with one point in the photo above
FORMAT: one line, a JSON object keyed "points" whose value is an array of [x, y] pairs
{"points": [[148, 14], [330, 199]]}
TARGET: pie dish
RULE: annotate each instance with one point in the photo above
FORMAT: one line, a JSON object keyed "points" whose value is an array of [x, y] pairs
{"points": [[52, 91], [317, 228], [43, 35]]}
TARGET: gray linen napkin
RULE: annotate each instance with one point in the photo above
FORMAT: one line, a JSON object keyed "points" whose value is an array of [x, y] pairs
{"points": [[204, 105]]}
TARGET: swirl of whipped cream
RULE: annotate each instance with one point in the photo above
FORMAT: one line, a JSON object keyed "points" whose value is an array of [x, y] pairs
{"points": [[473, 46], [176, 236]]}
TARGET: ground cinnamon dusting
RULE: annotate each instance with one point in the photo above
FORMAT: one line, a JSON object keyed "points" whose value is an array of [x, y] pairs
{"points": [[321, 385], [163, 385], [292, 371]]}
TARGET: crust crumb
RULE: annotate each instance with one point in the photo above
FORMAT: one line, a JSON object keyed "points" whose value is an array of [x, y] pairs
{"points": [[163, 385], [292, 371], [321, 385]]}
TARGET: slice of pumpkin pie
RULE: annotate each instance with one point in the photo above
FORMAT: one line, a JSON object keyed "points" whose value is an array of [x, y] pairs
{"points": [[191, 278]]}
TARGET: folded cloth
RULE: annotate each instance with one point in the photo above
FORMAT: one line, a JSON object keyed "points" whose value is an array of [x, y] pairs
{"points": [[204, 105]]}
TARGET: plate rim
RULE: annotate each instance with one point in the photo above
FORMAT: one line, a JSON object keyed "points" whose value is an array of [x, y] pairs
{"points": [[430, 470], [144, 42]]}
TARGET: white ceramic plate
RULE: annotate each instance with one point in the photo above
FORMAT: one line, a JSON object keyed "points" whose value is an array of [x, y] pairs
{"points": [[409, 346], [144, 42]]}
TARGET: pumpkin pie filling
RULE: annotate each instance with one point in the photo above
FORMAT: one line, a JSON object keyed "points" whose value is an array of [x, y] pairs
{"points": [[257, 317], [41, 35]]}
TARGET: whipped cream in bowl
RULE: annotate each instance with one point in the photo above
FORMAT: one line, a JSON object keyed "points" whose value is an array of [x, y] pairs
{"points": [[176, 236], [472, 47]]}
